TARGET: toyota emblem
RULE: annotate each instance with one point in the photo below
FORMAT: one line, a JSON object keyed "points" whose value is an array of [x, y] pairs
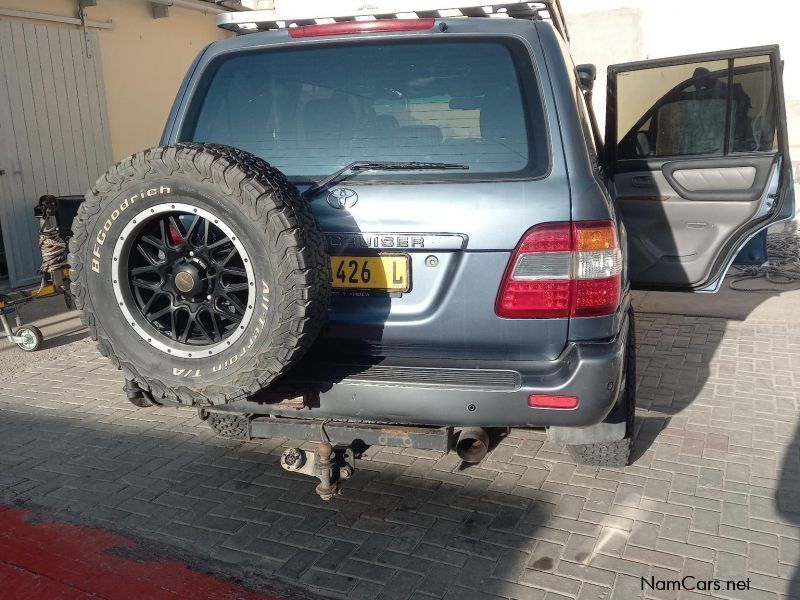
{"points": [[342, 198]]}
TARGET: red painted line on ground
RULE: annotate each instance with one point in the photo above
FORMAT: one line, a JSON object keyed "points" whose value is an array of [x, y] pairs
{"points": [[53, 560]]}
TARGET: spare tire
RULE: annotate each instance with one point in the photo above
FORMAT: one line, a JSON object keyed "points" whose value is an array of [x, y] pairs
{"points": [[200, 271]]}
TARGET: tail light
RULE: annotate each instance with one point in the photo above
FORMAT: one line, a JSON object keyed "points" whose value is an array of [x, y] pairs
{"points": [[563, 270]]}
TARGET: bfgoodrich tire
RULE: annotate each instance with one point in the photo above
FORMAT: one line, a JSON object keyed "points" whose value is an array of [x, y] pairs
{"points": [[200, 271]]}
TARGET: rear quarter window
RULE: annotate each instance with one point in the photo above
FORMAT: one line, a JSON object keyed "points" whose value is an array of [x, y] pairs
{"points": [[310, 110]]}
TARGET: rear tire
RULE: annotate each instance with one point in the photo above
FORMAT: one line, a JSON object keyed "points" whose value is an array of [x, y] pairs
{"points": [[602, 454], [229, 425], [616, 453]]}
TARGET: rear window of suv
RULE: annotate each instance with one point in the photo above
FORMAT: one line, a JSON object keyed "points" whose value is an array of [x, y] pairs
{"points": [[312, 110]]}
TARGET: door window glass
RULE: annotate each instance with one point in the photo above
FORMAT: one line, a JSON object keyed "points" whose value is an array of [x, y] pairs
{"points": [[673, 110], [683, 110], [752, 106]]}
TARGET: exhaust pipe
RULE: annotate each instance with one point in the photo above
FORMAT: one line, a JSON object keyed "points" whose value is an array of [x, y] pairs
{"points": [[472, 445]]}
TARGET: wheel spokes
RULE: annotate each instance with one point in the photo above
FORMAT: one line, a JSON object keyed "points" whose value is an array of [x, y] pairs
{"points": [[146, 269], [235, 271], [146, 285], [210, 336], [192, 228], [186, 330], [153, 261], [219, 243], [182, 243], [169, 309], [235, 287]]}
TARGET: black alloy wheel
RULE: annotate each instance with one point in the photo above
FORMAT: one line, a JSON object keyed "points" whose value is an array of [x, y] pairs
{"points": [[187, 278]]}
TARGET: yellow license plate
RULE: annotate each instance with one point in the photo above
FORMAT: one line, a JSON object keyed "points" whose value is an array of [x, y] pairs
{"points": [[382, 273]]}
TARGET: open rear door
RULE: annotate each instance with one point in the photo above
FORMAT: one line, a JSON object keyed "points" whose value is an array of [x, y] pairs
{"points": [[696, 147]]}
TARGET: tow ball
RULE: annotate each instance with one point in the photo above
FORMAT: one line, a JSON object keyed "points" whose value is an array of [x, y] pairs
{"points": [[329, 464]]}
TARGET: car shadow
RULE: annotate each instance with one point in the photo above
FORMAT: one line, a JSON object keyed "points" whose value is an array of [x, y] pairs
{"points": [[399, 525]]}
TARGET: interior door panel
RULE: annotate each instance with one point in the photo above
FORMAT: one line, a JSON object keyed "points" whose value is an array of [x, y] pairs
{"points": [[677, 222], [696, 151]]}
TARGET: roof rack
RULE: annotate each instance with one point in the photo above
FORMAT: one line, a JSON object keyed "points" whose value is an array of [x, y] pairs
{"points": [[249, 21]]}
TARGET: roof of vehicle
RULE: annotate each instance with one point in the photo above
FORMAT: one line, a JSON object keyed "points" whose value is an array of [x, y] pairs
{"points": [[264, 20]]}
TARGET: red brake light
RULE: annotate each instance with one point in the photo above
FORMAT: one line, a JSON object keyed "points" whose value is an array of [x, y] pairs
{"points": [[596, 297], [361, 27], [562, 270], [534, 299]]}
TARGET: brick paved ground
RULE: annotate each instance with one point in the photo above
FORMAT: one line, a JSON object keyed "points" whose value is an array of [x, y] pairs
{"points": [[714, 492]]}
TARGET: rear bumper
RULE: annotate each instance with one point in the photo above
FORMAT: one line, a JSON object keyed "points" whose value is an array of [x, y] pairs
{"points": [[459, 393]]}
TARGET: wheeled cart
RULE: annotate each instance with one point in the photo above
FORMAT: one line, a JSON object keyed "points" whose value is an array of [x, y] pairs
{"points": [[28, 337], [55, 277]]}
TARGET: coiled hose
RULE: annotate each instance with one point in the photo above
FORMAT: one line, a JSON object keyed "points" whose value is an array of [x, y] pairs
{"points": [[782, 268], [53, 248]]}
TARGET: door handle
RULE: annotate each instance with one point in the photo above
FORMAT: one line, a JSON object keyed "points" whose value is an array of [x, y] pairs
{"points": [[2, 171]]}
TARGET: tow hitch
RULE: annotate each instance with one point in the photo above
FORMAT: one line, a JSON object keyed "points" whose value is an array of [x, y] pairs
{"points": [[327, 463], [333, 459]]}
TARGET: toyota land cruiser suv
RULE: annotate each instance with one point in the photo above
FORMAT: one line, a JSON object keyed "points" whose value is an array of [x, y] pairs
{"points": [[415, 221]]}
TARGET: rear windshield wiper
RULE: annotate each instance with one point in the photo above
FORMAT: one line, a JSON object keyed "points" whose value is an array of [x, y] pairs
{"points": [[366, 165]]}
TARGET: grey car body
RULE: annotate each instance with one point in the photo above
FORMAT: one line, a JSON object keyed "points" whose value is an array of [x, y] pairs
{"points": [[439, 354]]}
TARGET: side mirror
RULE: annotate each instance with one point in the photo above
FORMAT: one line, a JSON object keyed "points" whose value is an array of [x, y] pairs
{"points": [[586, 75]]}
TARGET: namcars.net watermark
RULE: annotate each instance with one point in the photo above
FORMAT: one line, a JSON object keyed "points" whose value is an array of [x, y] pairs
{"points": [[691, 583]]}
